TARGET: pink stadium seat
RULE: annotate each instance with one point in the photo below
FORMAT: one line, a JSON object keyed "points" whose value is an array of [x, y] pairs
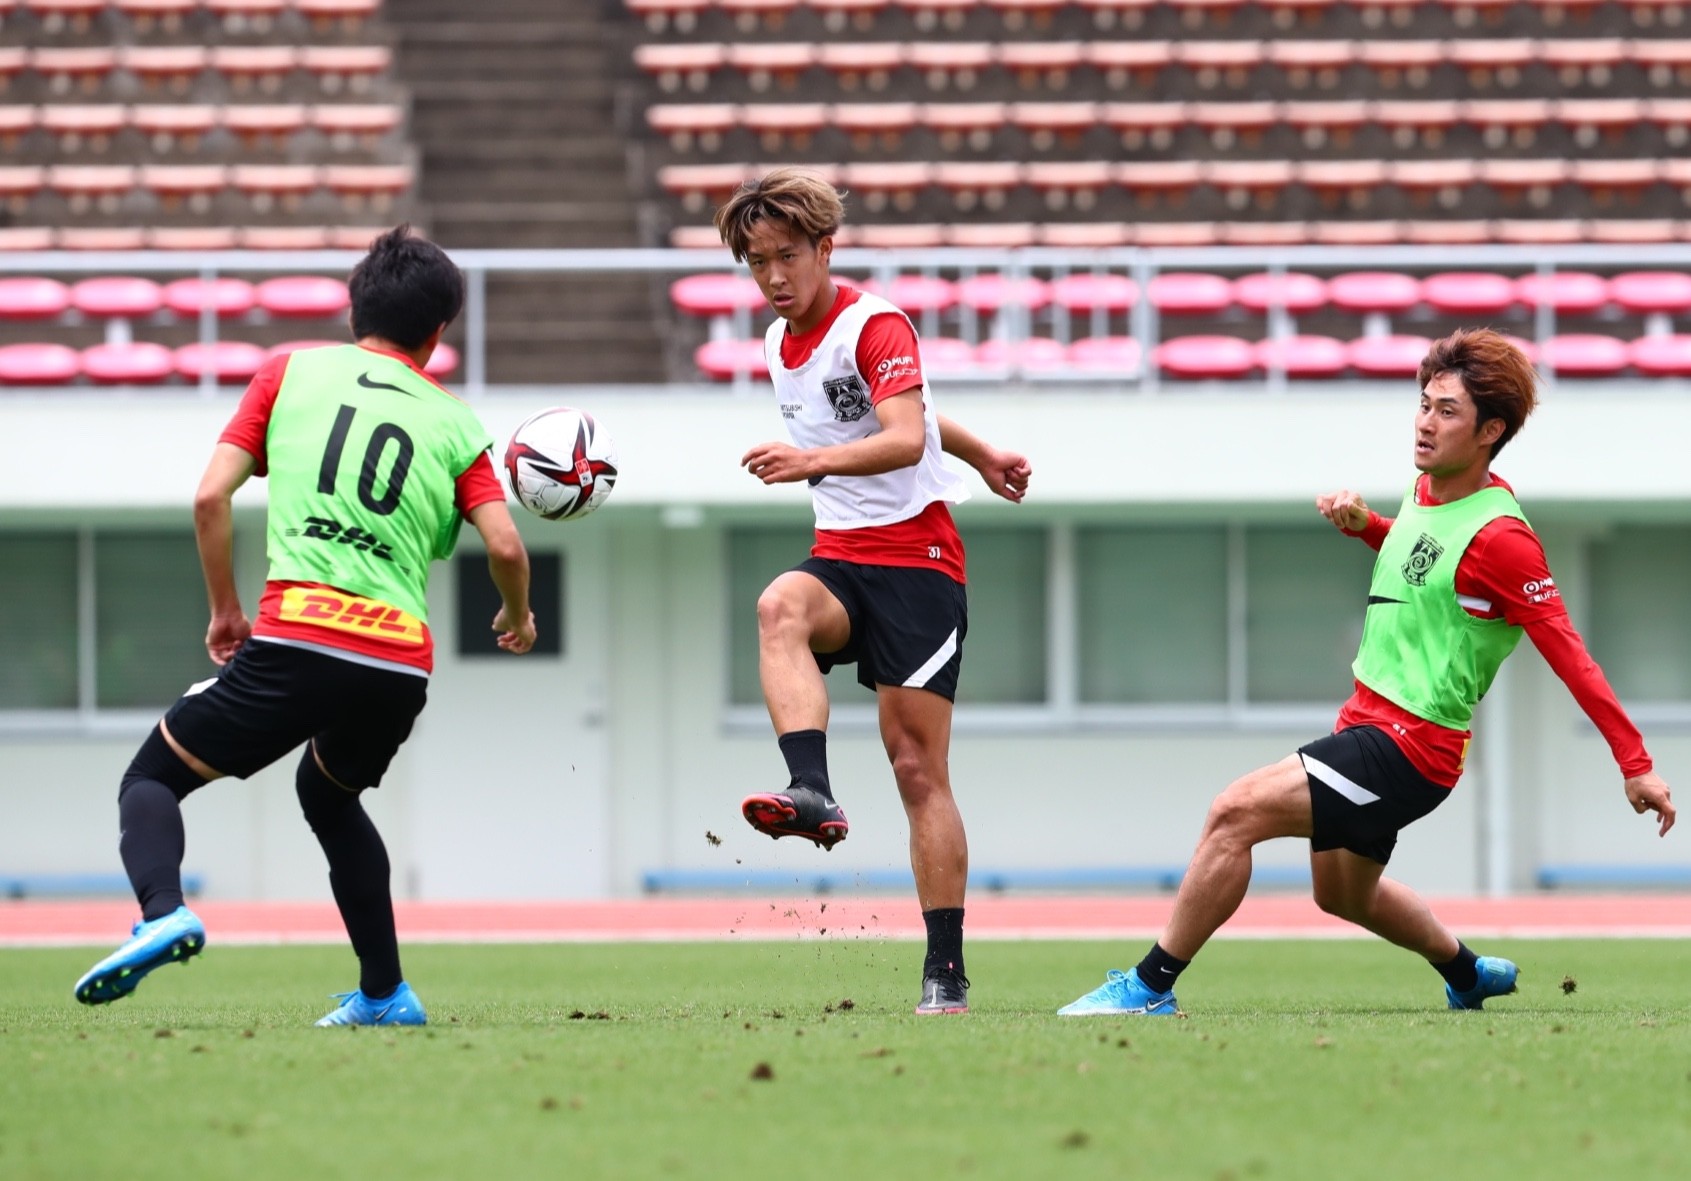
{"points": [[193, 185], [884, 184], [773, 63], [1652, 292], [145, 14], [15, 123], [170, 126], [226, 297], [1249, 184], [1266, 233], [993, 292], [1599, 120], [289, 347], [192, 238], [1117, 355], [1514, 122], [1666, 63], [1374, 291], [1085, 291], [442, 362], [1180, 293], [867, 65], [302, 297], [1468, 293], [1538, 230], [724, 360], [1288, 14], [33, 299], [1632, 230], [350, 15], [86, 186], [242, 15], [1154, 234], [1160, 183], [858, 14], [1303, 356], [58, 15], [1354, 233], [1388, 356], [228, 361], [75, 69], [678, 66], [779, 124], [699, 185], [102, 239], [947, 355], [1400, 65], [347, 124], [1320, 65], [1233, 124], [1661, 356], [1612, 183], [37, 364], [902, 236], [658, 15], [750, 14], [117, 297], [715, 295], [283, 238], [1143, 125], [129, 363], [1004, 235], [986, 182], [1048, 123], [14, 238], [1219, 64], [1427, 122], [1131, 63], [1205, 357], [1576, 293], [345, 67], [255, 124], [951, 63], [1110, 14], [1588, 61], [78, 127], [172, 68], [254, 67], [1492, 61], [916, 294], [1320, 124], [375, 186], [1020, 14], [1036, 63], [871, 124], [686, 124], [1342, 184], [1443, 231], [269, 185], [1032, 356], [960, 123], [1673, 116], [1577, 354], [928, 15], [1086, 235], [1289, 291]]}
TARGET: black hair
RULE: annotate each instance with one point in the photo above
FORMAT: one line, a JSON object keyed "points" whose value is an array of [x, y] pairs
{"points": [[404, 289]]}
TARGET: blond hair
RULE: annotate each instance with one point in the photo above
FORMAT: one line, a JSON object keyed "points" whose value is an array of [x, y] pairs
{"points": [[796, 196]]}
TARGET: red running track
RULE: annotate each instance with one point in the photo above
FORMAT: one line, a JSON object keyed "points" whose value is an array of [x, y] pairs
{"points": [[50, 923]]}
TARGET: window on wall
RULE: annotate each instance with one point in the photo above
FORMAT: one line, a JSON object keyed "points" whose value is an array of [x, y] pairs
{"points": [[1305, 594], [1640, 633], [1004, 656], [100, 620]]}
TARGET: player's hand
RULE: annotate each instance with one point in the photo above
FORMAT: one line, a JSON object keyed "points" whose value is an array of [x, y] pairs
{"points": [[515, 638], [1648, 793], [1006, 473], [226, 635], [778, 463], [1346, 509]]}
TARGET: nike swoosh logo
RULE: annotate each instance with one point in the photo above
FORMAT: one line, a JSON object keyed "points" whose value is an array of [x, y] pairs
{"points": [[1373, 599], [365, 380]]}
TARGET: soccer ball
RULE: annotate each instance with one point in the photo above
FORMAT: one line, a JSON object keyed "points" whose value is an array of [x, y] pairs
{"points": [[562, 465]]}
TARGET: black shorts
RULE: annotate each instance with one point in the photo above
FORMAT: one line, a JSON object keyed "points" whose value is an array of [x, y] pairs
{"points": [[1363, 789], [908, 624], [272, 697]]}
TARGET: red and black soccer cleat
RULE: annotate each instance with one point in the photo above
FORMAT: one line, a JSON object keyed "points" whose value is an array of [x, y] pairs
{"points": [[799, 811]]}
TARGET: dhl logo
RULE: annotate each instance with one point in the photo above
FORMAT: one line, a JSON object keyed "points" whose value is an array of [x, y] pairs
{"points": [[350, 613]]}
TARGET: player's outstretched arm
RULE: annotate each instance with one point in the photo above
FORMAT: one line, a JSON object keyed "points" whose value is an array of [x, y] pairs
{"points": [[1649, 793], [1005, 472], [214, 533], [507, 563]]}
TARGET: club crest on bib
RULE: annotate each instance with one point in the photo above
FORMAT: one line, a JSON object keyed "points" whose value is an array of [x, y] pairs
{"points": [[1421, 560], [848, 396]]}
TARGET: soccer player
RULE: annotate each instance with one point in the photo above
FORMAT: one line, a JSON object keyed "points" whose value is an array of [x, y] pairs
{"points": [[373, 466], [1459, 578], [884, 585]]}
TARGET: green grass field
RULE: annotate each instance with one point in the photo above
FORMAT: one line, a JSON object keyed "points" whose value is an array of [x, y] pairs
{"points": [[1298, 1060]]}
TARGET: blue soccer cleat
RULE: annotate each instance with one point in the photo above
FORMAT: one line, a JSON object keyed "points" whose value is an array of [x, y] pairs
{"points": [[170, 940], [1122, 994], [402, 1008], [1497, 978]]}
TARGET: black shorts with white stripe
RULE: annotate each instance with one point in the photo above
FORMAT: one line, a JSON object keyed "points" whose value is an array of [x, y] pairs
{"points": [[908, 623], [1363, 789]]}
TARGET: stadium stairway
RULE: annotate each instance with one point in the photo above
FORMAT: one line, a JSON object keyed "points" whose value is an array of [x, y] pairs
{"points": [[513, 111]]}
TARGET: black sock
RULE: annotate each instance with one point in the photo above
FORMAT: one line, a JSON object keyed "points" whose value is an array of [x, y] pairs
{"points": [[1463, 972], [358, 874], [806, 752], [945, 939], [151, 840], [1158, 970]]}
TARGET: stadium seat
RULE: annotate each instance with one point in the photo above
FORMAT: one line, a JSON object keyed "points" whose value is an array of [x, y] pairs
{"points": [[1492, 61], [190, 185], [944, 356], [127, 363], [699, 185], [916, 294], [1444, 231], [1303, 356], [1160, 184], [1306, 65], [750, 15], [1576, 293], [1004, 235], [780, 125], [1250, 184], [289, 347], [226, 361], [246, 68], [1265, 233], [79, 69], [1032, 357], [102, 239], [256, 125], [1179, 293], [33, 299], [1468, 293], [1086, 235], [1112, 14], [1507, 123], [348, 125], [1665, 293], [1432, 182], [681, 66], [1424, 122], [724, 360], [1355, 233], [443, 362], [1666, 63], [37, 365], [872, 125], [1612, 183], [57, 16], [226, 297], [302, 297], [993, 292], [838, 15], [192, 238], [715, 295], [242, 16], [145, 14], [282, 238], [1633, 230], [1016, 15], [169, 68], [1673, 116], [1387, 356], [1577, 354], [1142, 125], [1326, 124], [169, 127], [1118, 356], [1154, 234], [1289, 14], [1132, 64], [91, 186], [352, 68], [985, 183], [1342, 184], [889, 184], [1205, 357], [1038, 65], [1592, 121], [347, 15], [1661, 356], [661, 15], [1233, 125], [117, 297], [1086, 292], [687, 125], [950, 64], [1215, 65], [1048, 124], [1538, 231], [767, 65], [1288, 291], [16, 238], [928, 15], [83, 127], [866, 66], [374, 187], [957, 124], [899, 236], [1401, 65], [268, 186]]}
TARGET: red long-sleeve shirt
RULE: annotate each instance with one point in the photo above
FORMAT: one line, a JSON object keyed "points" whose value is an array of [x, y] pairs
{"points": [[1504, 575]]}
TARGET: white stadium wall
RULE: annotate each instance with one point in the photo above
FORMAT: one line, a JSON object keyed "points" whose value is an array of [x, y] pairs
{"points": [[578, 775]]}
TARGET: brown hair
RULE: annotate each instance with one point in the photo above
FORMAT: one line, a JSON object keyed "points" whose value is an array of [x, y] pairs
{"points": [[801, 198], [1496, 374]]}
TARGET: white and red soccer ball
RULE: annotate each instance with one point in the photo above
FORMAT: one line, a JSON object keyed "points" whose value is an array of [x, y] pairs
{"points": [[561, 464]]}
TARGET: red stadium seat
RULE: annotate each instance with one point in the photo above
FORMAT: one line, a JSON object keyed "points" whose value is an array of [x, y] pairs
{"points": [[928, 15], [225, 297], [1492, 61], [58, 15], [1673, 116], [1355, 233], [1425, 122], [1020, 14], [75, 69], [102, 239], [1665, 63], [1036, 63], [1111, 14], [1311, 64], [1589, 61], [130, 363], [376, 187], [1329, 123], [345, 67], [1442, 231], [724, 360], [1005, 235], [951, 63], [166, 14], [1086, 291], [117, 297], [254, 67], [699, 185], [1468, 293], [227, 361], [1086, 235], [1401, 65], [351, 124], [272, 185], [900, 236], [715, 295], [1266, 233], [778, 125], [1289, 291], [1153, 234], [1129, 64], [193, 185], [1098, 355], [1652, 292], [750, 14], [257, 124], [993, 292], [960, 123], [1342, 184], [1233, 124], [1632, 230], [1576, 293], [350, 15], [1374, 291], [170, 126], [1026, 358], [889, 184], [1217, 64], [192, 238], [681, 66], [943, 355], [15, 123], [875, 124], [1514, 122], [1388, 356], [1199, 358], [1303, 356], [37, 364], [868, 65], [33, 299], [15, 238], [986, 183], [283, 238], [658, 15], [1661, 356], [1179, 293], [1538, 231], [1166, 184], [87, 186], [1429, 182], [837, 15], [172, 68], [1288, 14], [302, 297], [772, 64], [1599, 120], [1533, 182], [1047, 124], [78, 127], [1142, 125], [687, 124], [239, 16], [916, 294], [1250, 184], [1585, 355]]}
